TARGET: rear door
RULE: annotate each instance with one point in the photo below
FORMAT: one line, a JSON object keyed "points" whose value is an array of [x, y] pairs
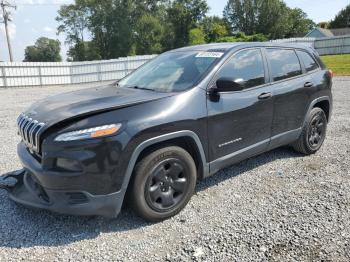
{"points": [[290, 95], [239, 123]]}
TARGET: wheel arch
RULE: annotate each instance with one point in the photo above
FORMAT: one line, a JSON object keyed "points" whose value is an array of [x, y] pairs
{"points": [[324, 103], [186, 139], [325, 106]]}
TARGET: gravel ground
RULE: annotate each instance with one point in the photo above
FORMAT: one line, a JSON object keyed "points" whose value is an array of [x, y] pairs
{"points": [[277, 206]]}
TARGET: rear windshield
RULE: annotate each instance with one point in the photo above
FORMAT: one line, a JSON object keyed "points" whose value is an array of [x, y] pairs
{"points": [[172, 72]]}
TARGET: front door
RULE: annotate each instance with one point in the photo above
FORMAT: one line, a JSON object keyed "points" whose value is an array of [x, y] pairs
{"points": [[239, 123]]}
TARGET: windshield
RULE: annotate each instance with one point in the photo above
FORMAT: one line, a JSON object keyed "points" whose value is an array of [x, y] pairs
{"points": [[172, 72]]}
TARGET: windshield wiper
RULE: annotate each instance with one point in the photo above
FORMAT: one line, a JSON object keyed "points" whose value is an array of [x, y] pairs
{"points": [[142, 88]]}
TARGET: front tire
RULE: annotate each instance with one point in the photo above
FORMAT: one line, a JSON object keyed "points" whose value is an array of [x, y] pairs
{"points": [[164, 181], [313, 132]]}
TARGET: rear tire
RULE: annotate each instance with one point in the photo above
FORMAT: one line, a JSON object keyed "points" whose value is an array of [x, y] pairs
{"points": [[313, 133], [163, 183]]}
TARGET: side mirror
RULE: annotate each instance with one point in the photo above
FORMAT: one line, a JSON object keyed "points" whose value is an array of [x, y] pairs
{"points": [[225, 84]]}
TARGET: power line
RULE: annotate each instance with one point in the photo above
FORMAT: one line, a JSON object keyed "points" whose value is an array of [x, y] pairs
{"points": [[6, 18]]}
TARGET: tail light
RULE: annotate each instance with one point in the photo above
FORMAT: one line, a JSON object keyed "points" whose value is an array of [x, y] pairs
{"points": [[330, 73]]}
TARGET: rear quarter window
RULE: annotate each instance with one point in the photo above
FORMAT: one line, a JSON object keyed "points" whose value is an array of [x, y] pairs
{"points": [[284, 63], [309, 63]]}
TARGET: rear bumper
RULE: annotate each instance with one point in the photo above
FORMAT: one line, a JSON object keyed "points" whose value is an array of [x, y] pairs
{"points": [[27, 191]]}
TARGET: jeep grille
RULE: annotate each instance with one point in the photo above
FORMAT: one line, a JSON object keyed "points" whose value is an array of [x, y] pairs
{"points": [[30, 131]]}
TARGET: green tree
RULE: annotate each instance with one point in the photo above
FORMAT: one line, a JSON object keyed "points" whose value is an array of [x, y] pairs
{"points": [[44, 50], [342, 19], [111, 25], [116, 27], [148, 35], [123, 27], [273, 18], [214, 28], [156, 8], [184, 15], [196, 36], [241, 15], [84, 51], [268, 17], [73, 21], [241, 37], [300, 25]]}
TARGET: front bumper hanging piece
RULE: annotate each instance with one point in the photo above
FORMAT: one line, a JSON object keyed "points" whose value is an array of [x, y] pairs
{"points": [[10, 180]]}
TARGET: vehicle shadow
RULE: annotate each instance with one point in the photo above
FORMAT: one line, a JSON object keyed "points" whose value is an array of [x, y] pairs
{"points": [[248, 165], [22, 227]]}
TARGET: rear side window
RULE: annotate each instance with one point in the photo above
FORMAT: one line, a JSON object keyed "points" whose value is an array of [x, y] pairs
{"points": [[284, 63], [309, 62], [247, 65]]}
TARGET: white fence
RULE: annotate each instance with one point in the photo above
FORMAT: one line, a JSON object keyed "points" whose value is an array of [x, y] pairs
{"points": [[333, 45], [19, 74], [308, 41], [324, 46]]}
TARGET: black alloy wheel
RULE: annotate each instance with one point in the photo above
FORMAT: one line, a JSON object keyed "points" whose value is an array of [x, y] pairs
{"points": [[313, 132], [317, 130], [163, 183], [166, 185]]}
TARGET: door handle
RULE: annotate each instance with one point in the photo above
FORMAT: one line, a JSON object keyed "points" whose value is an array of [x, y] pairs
{"points": [[265, 96], [308, 84]]}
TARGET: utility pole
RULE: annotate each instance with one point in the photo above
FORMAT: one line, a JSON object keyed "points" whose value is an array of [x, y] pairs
{"points": [[6, 18]]}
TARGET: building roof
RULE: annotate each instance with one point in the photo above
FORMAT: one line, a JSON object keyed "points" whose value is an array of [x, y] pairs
{"points": [[322, 31], [326, 32]]}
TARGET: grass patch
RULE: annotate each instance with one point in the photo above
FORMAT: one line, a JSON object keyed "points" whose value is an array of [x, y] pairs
{"points": [[339, 64]]}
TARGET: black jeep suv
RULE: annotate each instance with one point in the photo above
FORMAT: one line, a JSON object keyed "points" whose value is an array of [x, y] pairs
{"points": [[178, 119]]}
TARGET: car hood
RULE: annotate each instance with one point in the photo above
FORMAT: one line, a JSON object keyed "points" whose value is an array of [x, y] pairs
{"points": [[55, 109]]}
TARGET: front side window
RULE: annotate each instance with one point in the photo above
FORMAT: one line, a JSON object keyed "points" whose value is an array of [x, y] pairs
{"points": [[172, 72], [309, 62], [247, 65], [284, 63]]}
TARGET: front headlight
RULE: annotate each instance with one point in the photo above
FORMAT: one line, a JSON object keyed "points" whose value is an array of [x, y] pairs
{"points": [[94, 132]]}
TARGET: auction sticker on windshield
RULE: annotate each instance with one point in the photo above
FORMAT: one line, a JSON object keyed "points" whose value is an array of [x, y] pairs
{"points": [[210, 54]]}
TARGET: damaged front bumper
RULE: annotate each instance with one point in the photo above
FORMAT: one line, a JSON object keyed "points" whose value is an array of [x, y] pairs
{"points": [[23, 188]]}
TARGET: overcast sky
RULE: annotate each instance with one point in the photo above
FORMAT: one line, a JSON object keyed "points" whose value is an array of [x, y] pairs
{"points": [[35, 18]]}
